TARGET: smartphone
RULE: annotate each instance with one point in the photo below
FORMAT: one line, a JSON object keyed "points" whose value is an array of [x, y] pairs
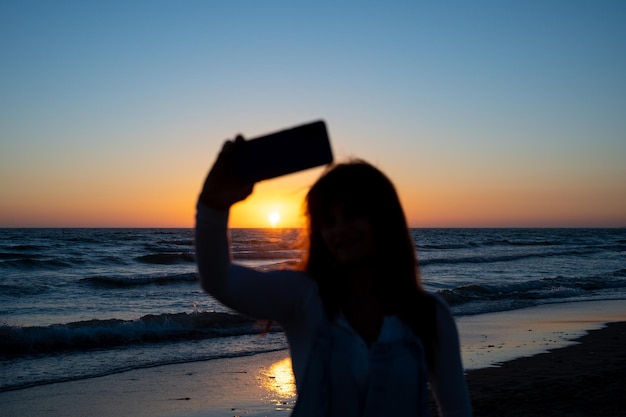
{"points": [[284, 152]]}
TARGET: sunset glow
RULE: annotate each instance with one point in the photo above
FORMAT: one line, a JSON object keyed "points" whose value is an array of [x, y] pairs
{"points": [[282, 197], [483, 115], [274, 218]]}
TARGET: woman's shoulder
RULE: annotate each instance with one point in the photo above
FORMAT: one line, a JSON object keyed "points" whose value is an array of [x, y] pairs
{"points": [[440, 305], [437, 299], [308, 310], [445, 322], [295, 281]]}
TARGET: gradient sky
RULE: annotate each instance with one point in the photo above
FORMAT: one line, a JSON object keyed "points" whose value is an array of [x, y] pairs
{"points": [[485, 113]]}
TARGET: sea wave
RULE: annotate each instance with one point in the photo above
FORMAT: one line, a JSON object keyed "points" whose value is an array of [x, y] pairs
{"points": [[135, 281], [35, 262], [16, 290], [176, 242], [22, 247], [556, 288], [487, 243], [167, 258], [106, 334], [620, 273], [506, 257]]}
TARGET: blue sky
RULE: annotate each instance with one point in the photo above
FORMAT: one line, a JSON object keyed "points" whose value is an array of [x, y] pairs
{"points": [[483, 113]]}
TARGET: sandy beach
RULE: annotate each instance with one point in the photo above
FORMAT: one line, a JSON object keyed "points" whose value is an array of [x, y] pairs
{"points": [[553, 360], [585, 379], [216, 388]]}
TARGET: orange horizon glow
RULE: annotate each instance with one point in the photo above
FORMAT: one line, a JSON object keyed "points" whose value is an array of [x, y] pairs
{"points": [[239, 220], [428, 204], [423, 210]]}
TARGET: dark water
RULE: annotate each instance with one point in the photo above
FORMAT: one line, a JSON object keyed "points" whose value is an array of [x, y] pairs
{"points": [[77, 303]]}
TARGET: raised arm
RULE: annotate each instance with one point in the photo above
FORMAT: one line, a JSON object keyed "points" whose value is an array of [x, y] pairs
{"points": [[220, 191], [267, 295]]}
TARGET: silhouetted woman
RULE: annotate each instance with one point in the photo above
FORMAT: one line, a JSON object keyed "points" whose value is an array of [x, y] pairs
{"points": [[365, 337]]}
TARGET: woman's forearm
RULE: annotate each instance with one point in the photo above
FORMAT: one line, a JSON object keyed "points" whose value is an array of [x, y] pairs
{"points": [[212, 249]]}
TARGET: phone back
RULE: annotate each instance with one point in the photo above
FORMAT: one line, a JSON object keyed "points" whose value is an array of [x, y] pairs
{"points": [[284, 152]]}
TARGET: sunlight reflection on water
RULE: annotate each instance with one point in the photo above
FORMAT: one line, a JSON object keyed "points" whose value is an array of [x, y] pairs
{"points": [[279, 379]]}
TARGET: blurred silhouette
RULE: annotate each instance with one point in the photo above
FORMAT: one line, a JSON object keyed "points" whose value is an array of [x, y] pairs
{"points": [[365, 338]]}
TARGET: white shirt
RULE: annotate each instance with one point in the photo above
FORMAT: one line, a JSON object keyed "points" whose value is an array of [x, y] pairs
{"points": [[291, 298]]}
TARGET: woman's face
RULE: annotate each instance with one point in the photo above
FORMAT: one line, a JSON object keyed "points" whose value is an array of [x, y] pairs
{"points": [[348, 235]]}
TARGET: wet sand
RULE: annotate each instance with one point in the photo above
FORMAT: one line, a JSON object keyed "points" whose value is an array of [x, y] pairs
{"points": [[585, 379]]}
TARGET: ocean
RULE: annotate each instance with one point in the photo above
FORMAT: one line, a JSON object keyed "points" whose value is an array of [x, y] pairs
{"points": [[80, 303]]}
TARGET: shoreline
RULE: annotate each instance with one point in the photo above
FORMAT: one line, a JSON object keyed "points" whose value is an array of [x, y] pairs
{"points": [[493, 338], [548, 357], [583, 379]]}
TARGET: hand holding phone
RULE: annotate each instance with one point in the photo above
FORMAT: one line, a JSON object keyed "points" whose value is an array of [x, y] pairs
{"points": [[221, 187]]}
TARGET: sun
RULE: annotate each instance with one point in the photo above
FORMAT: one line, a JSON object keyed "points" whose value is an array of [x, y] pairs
{"points": [[274, 218]]}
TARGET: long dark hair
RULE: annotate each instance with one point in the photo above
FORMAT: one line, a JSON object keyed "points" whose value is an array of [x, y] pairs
{"points": [[367, 191]]}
